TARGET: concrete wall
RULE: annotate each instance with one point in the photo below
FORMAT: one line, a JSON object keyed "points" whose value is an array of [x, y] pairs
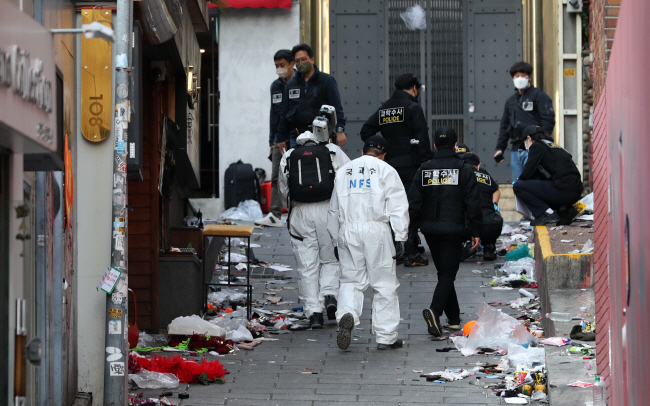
{"points": [[248, 38], [93, 207]]}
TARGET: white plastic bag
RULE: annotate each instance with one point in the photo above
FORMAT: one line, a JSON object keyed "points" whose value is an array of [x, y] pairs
{"points": [[226, 294], [506, 230], [252, 208], [186, 326], [494, 329], [154, 380], [241, 334], [248, 210], [524, 264], [415, 18], [518, 355]]}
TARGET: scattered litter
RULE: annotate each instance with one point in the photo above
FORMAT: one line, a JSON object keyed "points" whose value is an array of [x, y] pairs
{"points": [[280, 268], [567, 241], [581, 384], [154, 380], [556, 341], [189, 325]]}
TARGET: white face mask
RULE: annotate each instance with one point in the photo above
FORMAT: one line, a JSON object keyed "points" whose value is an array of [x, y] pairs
{"points": [[521, 82], [282, 72], [527, 145]]}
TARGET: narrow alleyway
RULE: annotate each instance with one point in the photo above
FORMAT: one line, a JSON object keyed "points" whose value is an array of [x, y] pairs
{"points": [[272, 374]]}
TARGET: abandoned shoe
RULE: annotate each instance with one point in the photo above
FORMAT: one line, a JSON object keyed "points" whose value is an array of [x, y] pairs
{"points": [[433, 322], [545, 219], [344, 336], [418, 260], [269, 221], [316, 320], [489, 252], [330, 306], [566, 216], [467, 250], [397, 344]]}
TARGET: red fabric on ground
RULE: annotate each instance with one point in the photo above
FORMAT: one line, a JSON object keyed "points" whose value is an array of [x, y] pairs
{"points": [[186, 371]]}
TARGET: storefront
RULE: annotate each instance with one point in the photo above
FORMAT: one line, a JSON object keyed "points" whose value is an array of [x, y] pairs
{"points": [[30, 133]]}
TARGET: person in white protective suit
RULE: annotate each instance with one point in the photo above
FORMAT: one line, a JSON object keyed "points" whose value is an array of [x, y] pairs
{"points": [[368, 200], [306, 181]]}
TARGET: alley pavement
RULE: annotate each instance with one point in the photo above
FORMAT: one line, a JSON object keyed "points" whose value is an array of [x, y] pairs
{"points": [[272, 374]]}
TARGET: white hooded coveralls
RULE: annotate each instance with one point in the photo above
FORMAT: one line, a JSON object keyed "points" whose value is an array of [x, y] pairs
{"points": [[317, 266], [368, 200]]}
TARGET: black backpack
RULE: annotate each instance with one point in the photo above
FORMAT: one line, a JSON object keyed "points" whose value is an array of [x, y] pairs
{"points": [[311, 173], [240, 184]]}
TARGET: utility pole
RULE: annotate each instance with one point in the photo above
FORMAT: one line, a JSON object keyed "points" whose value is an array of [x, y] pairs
{"points": [[116, 330]]}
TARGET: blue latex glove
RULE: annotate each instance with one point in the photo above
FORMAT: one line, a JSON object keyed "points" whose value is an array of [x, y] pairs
{"points": [[496, 208]]}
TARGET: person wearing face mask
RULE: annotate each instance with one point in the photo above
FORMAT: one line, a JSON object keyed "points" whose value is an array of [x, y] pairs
{"points": [[306, 92], [401, 121], [284, 68], [527, 106], [550, 182]]}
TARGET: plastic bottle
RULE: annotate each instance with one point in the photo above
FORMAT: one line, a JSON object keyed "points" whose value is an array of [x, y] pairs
{"points": [[600, 393], [526, 293], [556, 316]]}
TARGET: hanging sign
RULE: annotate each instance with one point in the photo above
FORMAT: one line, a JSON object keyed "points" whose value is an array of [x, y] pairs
{"points": [[96, 80]]}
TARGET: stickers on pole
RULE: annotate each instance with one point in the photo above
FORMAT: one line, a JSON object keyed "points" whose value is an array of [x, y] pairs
{"points": [[110, 278], [114, 326], [114, 354]]}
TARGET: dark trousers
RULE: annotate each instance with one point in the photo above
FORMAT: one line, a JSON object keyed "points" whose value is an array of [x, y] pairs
{"points": [[540, 195], [490, 233], [446, 251], [406, 175]]}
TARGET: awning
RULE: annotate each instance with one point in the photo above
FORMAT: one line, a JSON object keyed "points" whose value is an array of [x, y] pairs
{"points": [[255, 4]]}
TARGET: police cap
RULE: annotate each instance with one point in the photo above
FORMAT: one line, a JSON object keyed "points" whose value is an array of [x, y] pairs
{"points": [[462, 148], [445, 137], [377, 141], [471, 159], [532, 129]]}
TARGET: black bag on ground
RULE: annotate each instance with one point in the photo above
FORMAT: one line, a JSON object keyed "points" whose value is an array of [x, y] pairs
{"points": [[240, 184], [311, 174]]}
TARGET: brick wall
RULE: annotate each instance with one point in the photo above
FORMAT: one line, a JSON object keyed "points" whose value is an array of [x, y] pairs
{"points": [[601, 170], [603, 18]]}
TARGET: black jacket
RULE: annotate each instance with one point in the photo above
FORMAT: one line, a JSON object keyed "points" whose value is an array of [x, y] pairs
{"points": [[549, 161], [533, 107], [302, 101], [277, 92], [444, 197], [401, 119], [486, 187]]}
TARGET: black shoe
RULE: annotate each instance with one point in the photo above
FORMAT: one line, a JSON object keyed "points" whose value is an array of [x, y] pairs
{"points": [[524, 218], [433, 322], [417, 260], [545, 219], [489, 252], [330, 306], [316, 320], [344, 336], [397, 344], [467, 250], [453, 327], [567, 216]]}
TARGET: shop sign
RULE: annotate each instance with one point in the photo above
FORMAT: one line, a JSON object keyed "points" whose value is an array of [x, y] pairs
{"points": [[27, 78]]}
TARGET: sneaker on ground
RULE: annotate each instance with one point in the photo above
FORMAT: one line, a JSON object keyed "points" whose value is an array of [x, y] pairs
{"points": [[417, 260], [344, 336], [269, 221], [316, 320], [397, 344], [433, 322], [330, 306], [545, 219], [452, 327]]}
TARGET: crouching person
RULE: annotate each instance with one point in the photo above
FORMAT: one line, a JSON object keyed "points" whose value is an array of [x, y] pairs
{"points": [[306, 182], [492, 223], [368, 201]]}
